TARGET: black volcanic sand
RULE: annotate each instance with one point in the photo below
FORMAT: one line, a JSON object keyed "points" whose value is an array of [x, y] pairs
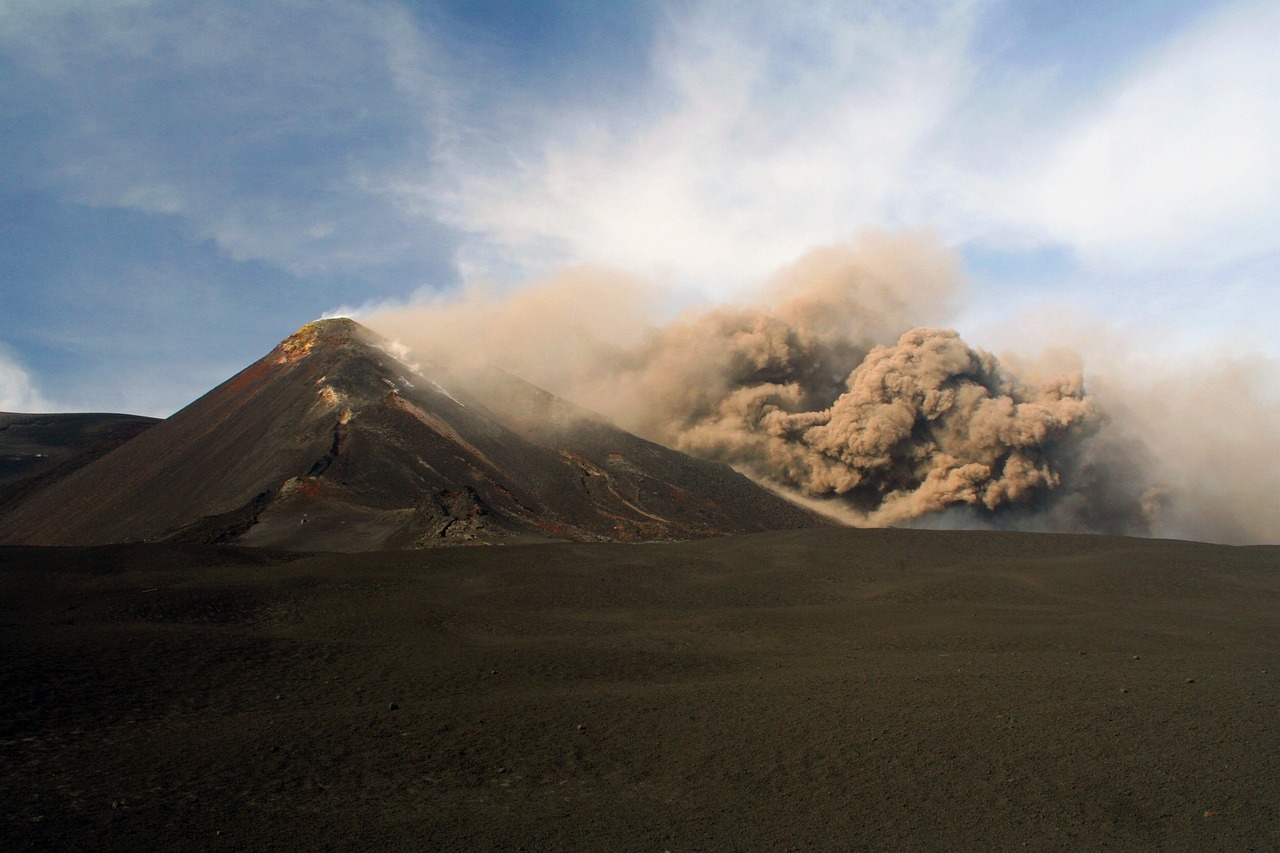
{"points": [[836, 690]]}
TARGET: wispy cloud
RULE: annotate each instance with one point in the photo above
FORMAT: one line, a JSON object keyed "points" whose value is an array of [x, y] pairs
{"points": [[264, 129], [763, 131], [1177, 165], [348, 136]]}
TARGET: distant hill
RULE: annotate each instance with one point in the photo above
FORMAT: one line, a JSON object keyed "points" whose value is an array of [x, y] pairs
{"points": [[330, 442], [37, 450]]}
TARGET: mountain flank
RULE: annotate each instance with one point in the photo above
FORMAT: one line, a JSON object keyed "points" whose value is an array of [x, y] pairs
{"points": [[332, 442]]}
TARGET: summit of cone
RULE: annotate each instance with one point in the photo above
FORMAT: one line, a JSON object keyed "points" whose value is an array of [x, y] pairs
{"points": [[332, 441]]}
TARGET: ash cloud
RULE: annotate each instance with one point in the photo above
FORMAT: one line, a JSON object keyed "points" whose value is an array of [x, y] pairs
{"points": [[828, 388]]}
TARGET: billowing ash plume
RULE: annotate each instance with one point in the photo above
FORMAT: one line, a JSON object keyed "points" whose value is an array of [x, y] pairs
{"points": [[826, 388], [921, 425], [816, 390]]}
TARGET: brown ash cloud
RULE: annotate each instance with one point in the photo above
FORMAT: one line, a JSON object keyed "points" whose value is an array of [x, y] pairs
{"points": [[826, 387], [921, 425]]}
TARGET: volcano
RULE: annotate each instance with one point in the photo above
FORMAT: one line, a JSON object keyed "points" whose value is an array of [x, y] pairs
{"points": [[333, 442]]}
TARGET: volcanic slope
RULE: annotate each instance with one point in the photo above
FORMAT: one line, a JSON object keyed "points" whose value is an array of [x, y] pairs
{"points": [[330, 442]]}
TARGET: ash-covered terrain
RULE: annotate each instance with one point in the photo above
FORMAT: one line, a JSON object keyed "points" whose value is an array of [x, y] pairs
{"points": [[801, 690]]}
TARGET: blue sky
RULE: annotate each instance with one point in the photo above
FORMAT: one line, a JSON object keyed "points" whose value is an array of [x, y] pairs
{"points": [[184, 183]]}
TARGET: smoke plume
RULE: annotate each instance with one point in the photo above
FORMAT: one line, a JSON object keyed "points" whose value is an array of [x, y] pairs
{"points": [[826, 388]]}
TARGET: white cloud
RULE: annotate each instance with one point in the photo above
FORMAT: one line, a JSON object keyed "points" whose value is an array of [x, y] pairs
{"points": [[18, 391], [766, 131], [335, 137], [1182, 164], [264, 130]]}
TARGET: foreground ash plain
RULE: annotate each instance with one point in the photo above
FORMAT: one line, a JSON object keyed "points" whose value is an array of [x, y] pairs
{"points": [[813, 689]]}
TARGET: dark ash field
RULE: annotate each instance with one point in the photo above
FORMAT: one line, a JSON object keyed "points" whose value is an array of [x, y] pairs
{"points": [[809, 690]]}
